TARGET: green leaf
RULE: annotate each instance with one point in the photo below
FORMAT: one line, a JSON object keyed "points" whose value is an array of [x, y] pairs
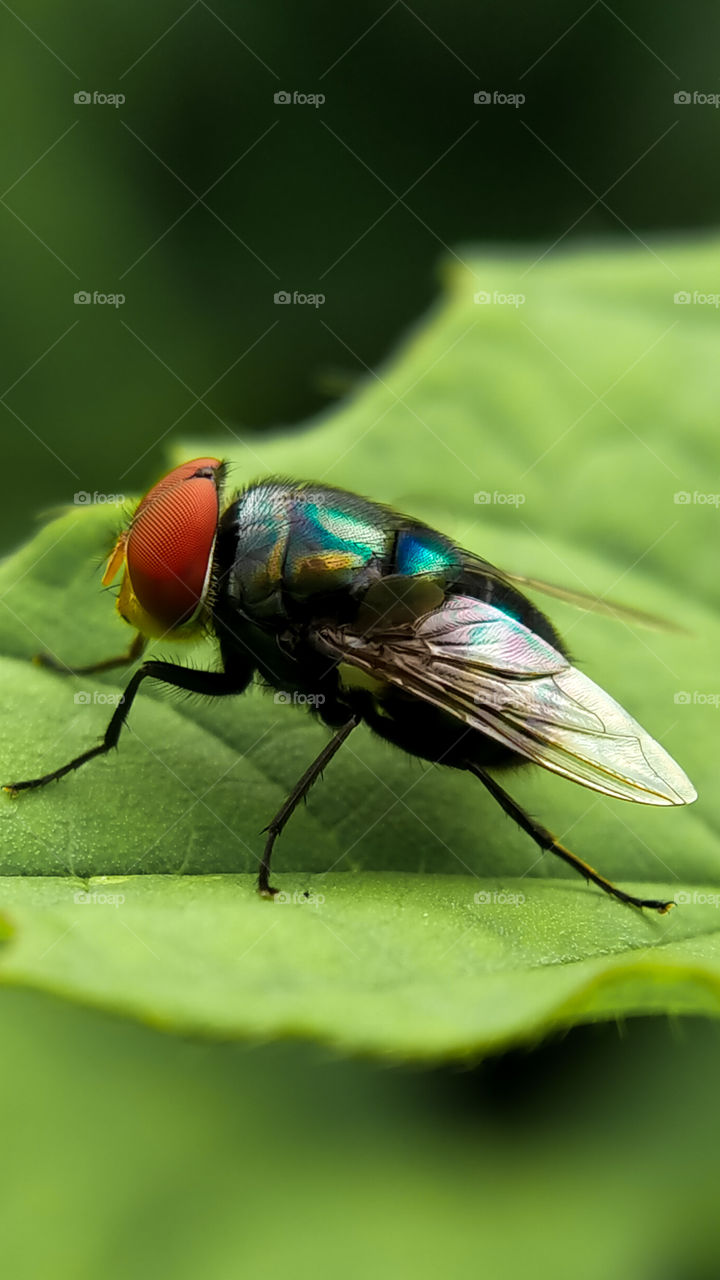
{"points": [[394, 964], [575, 419]]}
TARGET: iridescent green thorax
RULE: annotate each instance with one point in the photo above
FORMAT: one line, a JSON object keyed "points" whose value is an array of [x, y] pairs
{"points": [[300, 541], [328, 544], [303, 540]]}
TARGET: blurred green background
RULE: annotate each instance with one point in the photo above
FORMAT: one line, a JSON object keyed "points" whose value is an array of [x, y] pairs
{"points": [[198, 199]]}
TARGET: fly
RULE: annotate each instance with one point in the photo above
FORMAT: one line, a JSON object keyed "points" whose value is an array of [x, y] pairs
{"points": [[368, 616]]}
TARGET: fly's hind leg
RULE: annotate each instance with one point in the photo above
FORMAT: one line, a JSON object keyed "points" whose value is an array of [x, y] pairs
{"points": [[545, 840], [298, 793]]}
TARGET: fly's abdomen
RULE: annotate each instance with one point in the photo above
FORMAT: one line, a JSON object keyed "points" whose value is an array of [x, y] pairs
{"points": [[422, 550]]}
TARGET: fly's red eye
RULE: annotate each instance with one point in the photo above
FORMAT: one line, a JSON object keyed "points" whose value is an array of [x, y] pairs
{"points": [[170, 543], [186, 471]]}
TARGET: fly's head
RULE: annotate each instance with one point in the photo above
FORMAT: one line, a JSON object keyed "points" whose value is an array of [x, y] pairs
{"points": [[166, 554]]}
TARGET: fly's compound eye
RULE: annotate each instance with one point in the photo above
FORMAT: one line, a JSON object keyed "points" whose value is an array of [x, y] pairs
{"points": [[169, 547]]}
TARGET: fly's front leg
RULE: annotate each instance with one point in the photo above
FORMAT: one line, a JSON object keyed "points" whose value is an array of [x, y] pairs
{"points": [[132, 653], [212, 683]]}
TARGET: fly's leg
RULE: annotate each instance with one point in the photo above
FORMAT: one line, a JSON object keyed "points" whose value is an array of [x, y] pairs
{"points": [[298, 792], [132, 653], [545, 840], [213, 683]]}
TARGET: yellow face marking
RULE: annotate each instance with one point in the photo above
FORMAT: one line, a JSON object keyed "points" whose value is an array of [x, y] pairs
{"points": [[130, 609]]}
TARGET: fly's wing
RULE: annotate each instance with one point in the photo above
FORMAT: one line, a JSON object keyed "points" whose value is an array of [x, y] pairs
{"points": [[481, 665], [580, 599]]}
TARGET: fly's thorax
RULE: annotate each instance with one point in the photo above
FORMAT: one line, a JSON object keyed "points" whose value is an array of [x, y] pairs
{"points": [[281, 542], [252, 544], [292, 553], [334, 538]]}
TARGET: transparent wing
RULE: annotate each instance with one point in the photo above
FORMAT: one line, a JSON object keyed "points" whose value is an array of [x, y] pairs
{"points": [[571, 595], [483, 666], [598, 604]]}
